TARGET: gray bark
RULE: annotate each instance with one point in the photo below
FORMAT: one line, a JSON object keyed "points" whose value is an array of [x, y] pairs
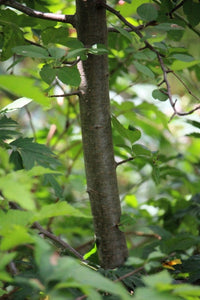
{"points": [[97, 137]]}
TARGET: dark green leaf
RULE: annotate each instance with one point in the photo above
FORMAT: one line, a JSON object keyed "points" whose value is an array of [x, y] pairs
{"points": [[48, 74], [32, 153], [147, 12], [55, 35], [160, 94], [144, 69], [31, 51]]}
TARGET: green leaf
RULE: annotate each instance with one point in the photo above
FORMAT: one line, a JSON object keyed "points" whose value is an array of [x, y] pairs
{"points": [[124, 32], [25, 87], [13, 36], [18, 235], [32, 153], [191, 9], [48, 74], [183, 57], [17, 104], [55, 35], [39, 170], [7, 126], [58, 209], [31, 51], [132, 134], [160, 94], [76, 52], [194, 123], [21, 185], [160, 277], [69, 76], [143, 69], [56, 52], [98, 49], [156, 174], [194, 134], [140, 150], [147, 12], [180, 65]]}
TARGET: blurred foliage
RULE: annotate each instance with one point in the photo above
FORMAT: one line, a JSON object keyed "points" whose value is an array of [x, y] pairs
{"points": [[41, 162]]}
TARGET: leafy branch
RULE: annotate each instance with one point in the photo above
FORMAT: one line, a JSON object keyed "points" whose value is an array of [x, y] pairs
{"points": [[160, 60]]}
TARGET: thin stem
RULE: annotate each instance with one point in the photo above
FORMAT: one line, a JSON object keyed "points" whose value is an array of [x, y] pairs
{"points": [[58, 240], [39, 14], [124, 161], [65, 95], [31, 123]]}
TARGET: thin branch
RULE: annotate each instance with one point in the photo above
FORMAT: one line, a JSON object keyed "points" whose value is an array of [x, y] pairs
{"points": [[173, 103], [160, 59], [129, 274], [117, 280], [139, 233], [31, 123], [117, 13], [39, 14], [58, 240], [176, 7], [50, 235], [66, 95], [124, 161], [185, 86]]}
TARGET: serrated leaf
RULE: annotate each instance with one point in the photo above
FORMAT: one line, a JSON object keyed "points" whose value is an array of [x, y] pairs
{"points": [[7, 126], [76, 52], [143, 69], [160, 94], [33, 153], [25, 87], [58, 209], [147, 12]]}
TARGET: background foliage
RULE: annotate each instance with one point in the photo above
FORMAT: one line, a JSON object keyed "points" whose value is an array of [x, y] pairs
{"points": [[41, 163]]}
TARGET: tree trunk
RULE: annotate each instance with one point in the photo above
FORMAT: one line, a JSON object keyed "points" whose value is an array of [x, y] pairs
{"points": [[97, 137]]}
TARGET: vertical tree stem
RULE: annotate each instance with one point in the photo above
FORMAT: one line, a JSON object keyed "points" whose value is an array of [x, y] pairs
{"points": [[97, 137]]}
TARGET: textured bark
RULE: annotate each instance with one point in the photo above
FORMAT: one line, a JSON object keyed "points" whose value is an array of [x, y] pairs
{"points": [[97, 137]]}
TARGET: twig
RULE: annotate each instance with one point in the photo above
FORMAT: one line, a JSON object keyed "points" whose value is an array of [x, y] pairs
{"points": [[51, 235], [173, 103], [129, 274], [139, 233], [39, 14], [31, 123], [124, 161], [186, 87], [66, 95], [51, 133], [58, 240], [175, 8]]}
